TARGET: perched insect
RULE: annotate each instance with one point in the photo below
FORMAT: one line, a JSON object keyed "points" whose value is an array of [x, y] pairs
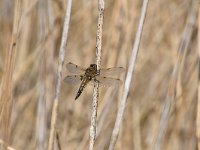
{"points": [[91, 74]]}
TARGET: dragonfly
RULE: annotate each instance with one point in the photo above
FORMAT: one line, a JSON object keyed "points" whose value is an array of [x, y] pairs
{"points": [[84, 76]]}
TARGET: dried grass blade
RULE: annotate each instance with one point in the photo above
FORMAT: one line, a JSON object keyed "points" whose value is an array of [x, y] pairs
{"points": [[171, 93], [96, 85], [198, 106], [6, 87], [59, 74], [132, 61]]}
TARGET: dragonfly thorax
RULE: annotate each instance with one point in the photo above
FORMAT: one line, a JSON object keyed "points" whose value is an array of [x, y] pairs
{"points": [[91, 71]]}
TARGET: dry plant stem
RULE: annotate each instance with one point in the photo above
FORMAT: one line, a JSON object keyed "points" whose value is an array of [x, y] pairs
{"points": [[6, 90], [25, 14], [96, 85], [58, 141], [170, 98], [132, 61], [59, 74], [198, 106], [8, 147], [41, 106], [41, 112]]}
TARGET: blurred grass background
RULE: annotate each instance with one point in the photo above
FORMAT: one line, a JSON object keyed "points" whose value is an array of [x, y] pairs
{"points": [[36, 64]]}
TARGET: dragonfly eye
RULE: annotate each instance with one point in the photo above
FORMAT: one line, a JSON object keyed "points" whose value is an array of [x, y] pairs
{"points": [[92, 65]]}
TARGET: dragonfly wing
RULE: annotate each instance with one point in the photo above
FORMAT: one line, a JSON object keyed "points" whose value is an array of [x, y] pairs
{"points": [[73, 79], [74, 68], [112, 71], [105, 81]]}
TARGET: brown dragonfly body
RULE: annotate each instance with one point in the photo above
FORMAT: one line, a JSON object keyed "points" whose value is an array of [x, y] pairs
{"points": [[91, 74]]}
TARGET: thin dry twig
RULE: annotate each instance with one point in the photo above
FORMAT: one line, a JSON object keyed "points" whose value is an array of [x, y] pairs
{"points": [[41, 112], [131, 67], [25, 14], [96, 85], [41, 107], [6, 90], [59, 73], [170, 97], [8, 147], [58, 140], [198, 106]]}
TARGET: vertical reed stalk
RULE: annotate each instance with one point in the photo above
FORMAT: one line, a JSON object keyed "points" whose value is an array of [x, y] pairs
{"points": [[41, 106], [6, 89], [171, 93], [198, 106], [96, 85], [59, 74], [8, 147], [131, 67]]}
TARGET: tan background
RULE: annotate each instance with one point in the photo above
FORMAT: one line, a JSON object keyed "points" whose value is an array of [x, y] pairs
{"points": [[36, 66]]}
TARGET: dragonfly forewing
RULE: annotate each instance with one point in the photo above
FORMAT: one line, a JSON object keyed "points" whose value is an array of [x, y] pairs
{"points": [[106, 81], [112, 71], [73, 79], [74, 68]]}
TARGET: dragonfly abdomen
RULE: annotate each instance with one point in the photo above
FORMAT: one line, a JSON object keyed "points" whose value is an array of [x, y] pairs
{"points": [[82, 86]]}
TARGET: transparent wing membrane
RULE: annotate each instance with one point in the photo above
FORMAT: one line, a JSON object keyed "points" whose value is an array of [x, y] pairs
{"points": [[102, 77], [112, 71], [73, 79], [105, 81], [74, 68]]}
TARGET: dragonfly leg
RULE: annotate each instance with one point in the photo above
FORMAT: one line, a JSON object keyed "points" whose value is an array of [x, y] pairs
{"points": [[81, 76], [97, 73]]}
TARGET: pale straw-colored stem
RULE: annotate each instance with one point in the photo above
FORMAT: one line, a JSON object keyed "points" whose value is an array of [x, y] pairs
{"points": [[96, 85], [6, 87], [8, 147], [171, 93], [198, 106], [59, 74], [131, 67]]}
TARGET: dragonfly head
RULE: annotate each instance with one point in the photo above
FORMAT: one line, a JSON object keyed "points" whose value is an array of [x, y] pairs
{"points": [[91, 71], [93, 66]]}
